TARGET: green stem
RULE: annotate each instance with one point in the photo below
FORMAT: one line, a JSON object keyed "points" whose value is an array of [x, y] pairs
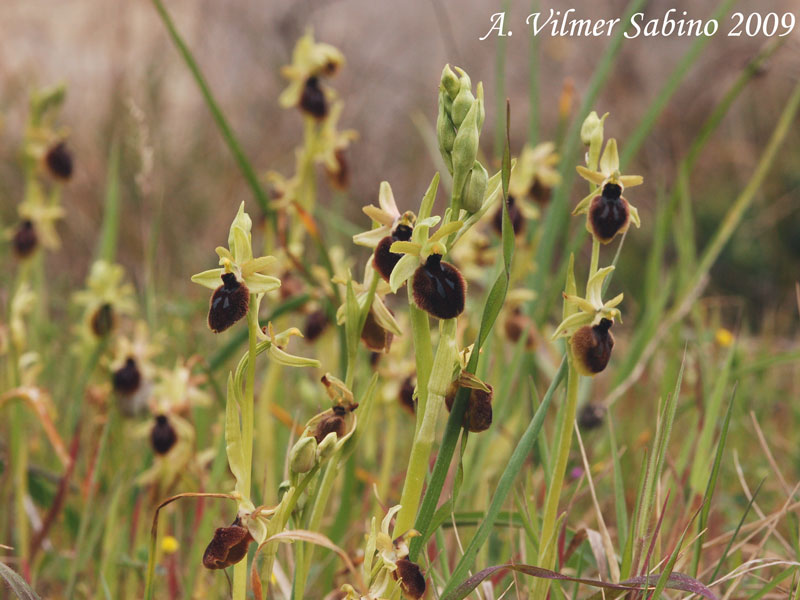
{"points": [[595, 257], [240, 569], [440, 378], [423, 353], [547, 539]]}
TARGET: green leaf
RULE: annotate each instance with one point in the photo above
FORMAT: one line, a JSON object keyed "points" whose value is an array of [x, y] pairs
{"points": [[233, 435]]}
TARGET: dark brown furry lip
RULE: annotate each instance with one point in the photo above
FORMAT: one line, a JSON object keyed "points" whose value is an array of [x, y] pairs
{"points": [[439, 288]]}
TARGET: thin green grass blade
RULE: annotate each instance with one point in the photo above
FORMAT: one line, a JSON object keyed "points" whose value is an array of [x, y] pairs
{"points": [[234, 146], [712, 482], [109, 231]]}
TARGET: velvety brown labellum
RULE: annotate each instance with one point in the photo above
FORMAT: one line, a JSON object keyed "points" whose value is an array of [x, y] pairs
{"points": [[609, 213], [412, 581], [229, 303], [518, 324], [340, 177], [227, 547], [313, 101], [591, 347], [316, 323], [59, 161], [103, 320], [25, 239], [162, 436], [384, 259], [540, 193], [128, 378], [514, 214], [375, 337], [478, 416], [439, 288], [332, 422], [591, 416], [406, 394]]}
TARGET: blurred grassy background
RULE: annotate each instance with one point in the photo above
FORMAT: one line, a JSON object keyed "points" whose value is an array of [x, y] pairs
{"points": [[115, 53]]}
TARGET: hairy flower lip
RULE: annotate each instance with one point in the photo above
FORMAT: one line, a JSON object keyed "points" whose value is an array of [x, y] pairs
{"points": [[439, 288], [229, 303], [591, 347], [162, 436], [228, 546], [59, 161]]}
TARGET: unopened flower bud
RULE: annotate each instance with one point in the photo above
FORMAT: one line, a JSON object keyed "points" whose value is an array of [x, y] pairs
{"points": [[463, 101], [592, 124], [445, 134], [303, 455], [465, 149], [450, 83], [326, 447], [475, 188]]}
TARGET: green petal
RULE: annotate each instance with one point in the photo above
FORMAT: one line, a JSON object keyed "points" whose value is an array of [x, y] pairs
{"points": [[572, 322], [210, 279], [384, 318], [257, 265], [290, 360], [260, 284], [609, 162], [242, 252], [404, 269], [371, 238], [404, 248], [583, 205], [591, 176]]}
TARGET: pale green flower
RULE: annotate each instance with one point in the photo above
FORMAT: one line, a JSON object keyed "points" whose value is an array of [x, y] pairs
{"points": [[591, 309], [238, 259]]}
